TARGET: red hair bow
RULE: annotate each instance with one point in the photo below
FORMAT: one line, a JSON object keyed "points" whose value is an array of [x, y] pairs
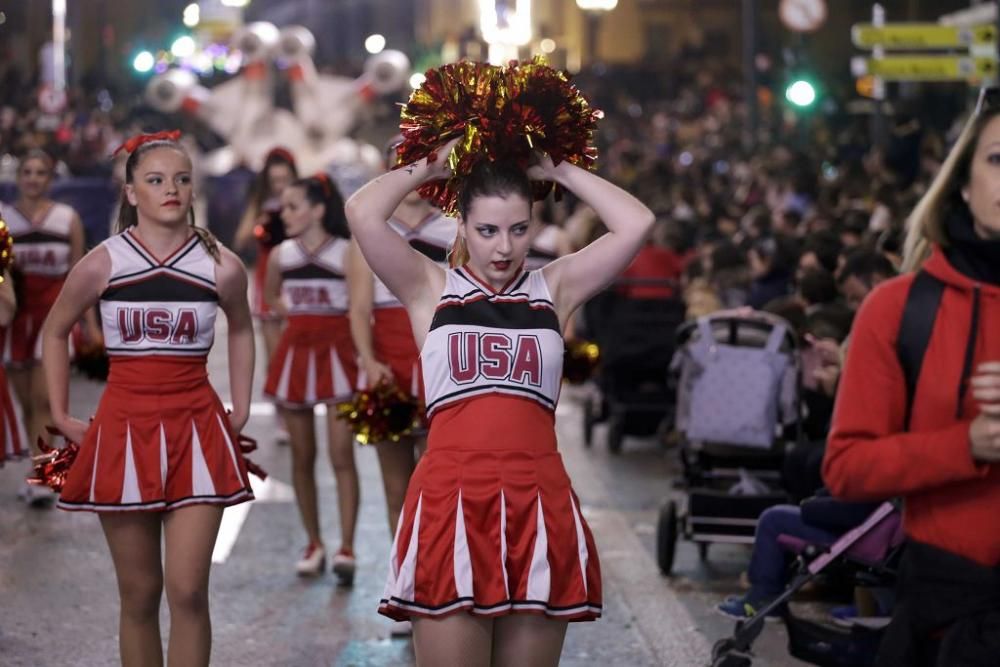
{"points": [[138, 140], [324, 182]]}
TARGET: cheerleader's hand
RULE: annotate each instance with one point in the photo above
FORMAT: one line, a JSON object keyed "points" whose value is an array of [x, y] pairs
{"points": [[542, 168], [438, 168], [238, 421], [376, 372], [74, 430]]}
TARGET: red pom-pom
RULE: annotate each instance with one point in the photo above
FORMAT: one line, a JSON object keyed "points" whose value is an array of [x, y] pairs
{"points": [[503, 113], [52, 466]]}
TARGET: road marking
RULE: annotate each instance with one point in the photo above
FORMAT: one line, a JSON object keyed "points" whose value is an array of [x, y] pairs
{"points": [[270, 490]]}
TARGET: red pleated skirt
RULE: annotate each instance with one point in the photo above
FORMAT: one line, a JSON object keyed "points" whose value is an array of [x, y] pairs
{"points": [[22, 345], [314, 362], [394, 346], [160, 440], [10, 447], [491, 525]]}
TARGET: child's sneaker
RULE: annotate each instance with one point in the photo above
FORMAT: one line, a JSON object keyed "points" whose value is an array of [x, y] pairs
{"points": [[742, 607]]}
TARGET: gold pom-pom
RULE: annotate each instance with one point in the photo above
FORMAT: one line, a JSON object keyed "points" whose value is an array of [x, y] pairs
{"points": [[383, 413], [6, 248]]}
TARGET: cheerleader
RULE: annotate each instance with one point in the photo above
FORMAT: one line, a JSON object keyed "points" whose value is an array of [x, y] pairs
{"points": [[383, 336], [492, 556], [262, 221], [50, 240], [160, 456], [10, 436], [315, 361]]}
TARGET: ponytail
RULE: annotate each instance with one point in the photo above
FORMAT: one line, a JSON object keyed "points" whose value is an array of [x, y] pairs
{"points": [[458, 254]]}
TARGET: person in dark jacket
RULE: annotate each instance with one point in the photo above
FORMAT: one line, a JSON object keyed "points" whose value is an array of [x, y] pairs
{"points": [[946, 463]]}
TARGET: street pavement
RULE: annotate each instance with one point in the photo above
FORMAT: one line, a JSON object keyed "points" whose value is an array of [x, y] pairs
{"points": [[58, 601]]}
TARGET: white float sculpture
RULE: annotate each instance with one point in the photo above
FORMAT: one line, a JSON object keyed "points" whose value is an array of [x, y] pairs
{"points": [[243, 113]]}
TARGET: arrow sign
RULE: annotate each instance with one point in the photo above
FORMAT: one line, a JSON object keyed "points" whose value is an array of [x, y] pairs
{"points": [[920, 36], [925, 68]]}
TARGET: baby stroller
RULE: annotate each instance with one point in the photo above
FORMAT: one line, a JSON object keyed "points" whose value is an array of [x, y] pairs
{"points": [[873, 546], [737, 396], [636, 341]]}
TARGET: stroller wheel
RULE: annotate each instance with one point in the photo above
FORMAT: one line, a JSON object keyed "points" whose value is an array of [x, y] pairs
{"points": [[616, 434], [666, 537], [725, 654]]}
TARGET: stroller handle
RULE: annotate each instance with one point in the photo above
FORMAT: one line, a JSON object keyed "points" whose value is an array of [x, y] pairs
{"points": [[731, 323]]}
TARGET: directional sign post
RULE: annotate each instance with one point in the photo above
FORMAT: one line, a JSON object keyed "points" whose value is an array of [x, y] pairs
{"points": [[917, 36], [926, 68]]}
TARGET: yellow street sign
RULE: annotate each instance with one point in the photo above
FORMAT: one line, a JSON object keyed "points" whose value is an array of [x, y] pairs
{"points": [[920, 36], [929, 68]]}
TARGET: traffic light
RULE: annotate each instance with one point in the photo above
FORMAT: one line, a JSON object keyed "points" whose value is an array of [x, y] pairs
{"points": [[800, 92]]}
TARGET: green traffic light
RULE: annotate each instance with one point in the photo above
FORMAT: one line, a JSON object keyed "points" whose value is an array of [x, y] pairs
{"points": [[143, 62], [801, 93]]}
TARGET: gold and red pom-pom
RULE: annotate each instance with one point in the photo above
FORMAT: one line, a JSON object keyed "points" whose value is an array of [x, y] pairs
{"points": [[53, 464], [383, 413], [503, 113], [580, 361], [6, 248]]}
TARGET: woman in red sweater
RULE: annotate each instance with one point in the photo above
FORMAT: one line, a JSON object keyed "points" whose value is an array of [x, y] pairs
{"points": [[944, 462]]}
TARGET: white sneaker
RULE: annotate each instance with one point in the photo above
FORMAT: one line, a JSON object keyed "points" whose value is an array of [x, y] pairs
{"points": [[401, 629], [39, 497], [313, 561], [344, 565]]}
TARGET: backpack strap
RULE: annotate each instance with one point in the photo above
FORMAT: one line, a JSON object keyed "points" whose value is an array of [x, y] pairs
{"points": [[915, 328]]}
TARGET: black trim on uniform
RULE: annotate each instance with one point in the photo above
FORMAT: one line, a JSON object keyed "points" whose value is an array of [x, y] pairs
{"points": [[209, 284], [175, 349], [520, 282], [310, 271], [160, 287], [141, 252], [181, 255], [479, 389], [38, 236], [497, 315]]}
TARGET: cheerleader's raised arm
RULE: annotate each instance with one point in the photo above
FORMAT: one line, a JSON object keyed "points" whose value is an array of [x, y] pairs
{"points": [[411, 276], [576, 277]]}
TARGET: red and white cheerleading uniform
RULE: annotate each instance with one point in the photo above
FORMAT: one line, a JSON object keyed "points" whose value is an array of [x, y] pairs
{"points": [[392, 335], [10, 436], [161, 438], [43, 256], [490, 524], [315, 360]]}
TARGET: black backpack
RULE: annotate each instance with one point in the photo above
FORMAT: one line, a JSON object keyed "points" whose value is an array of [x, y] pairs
{"points": [[915, 327]]}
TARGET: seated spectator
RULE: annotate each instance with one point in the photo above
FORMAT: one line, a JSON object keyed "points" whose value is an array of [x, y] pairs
{"points": [[772, 263], [816, 288], [820, 251], [821, 521], [862, 271], [656, 270]]}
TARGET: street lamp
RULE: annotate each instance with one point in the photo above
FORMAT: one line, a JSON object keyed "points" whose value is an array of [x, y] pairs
{"points": [[505, 27], [594, 10]]}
